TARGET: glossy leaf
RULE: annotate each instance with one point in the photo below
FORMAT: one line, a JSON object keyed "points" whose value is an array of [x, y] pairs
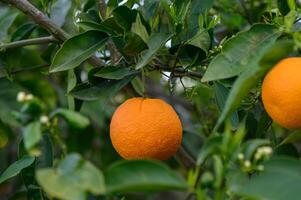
{"points": [[15, 168], [281, 175], [212, 145], [292, 137], [241, 52], [201, 40], [140, 175], [23, 32], [112, 72], [7, 17], [156, 42], [221, 93], [140, 29], [125, 16], [104, 88], [73, 118], [138, 86], [32, 134], [73, 178], [77, 49], [249, 78], [59, 11]]}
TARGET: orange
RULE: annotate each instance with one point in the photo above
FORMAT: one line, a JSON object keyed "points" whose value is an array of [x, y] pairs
{"points": [[145, 129], [281, 93]]}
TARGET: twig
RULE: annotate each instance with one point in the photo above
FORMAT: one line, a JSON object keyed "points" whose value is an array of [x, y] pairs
{"points": [[102, 8], [27, 69], [41, 19], [33, 41], [180, 72], [115, 55]]}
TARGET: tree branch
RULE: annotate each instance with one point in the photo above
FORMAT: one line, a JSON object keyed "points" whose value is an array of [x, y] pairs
{"points": [[180, 72], [44, 21], [115, 55], [33, 41]]}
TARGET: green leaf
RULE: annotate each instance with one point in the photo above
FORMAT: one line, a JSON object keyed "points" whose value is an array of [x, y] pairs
{"points": [[283, 6], [72, 180], [249, 78], [293, 137], [133, 44], [200, 40], [138, 86], [281, 175], [108, 26], [32, 134], [104, 88], [197, 8], [77, 49], [15, 168], [125, 16], [7, 17], [23, 32], [112, 72], [141, 175], [59, 11], [73, 118], [249, 148], [221, 93], [212, 145], [155, 43], [140, 29], [241, 52], [72, 80]]}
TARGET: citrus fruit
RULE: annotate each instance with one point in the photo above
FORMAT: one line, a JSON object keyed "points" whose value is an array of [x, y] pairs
{"points": [[281, 93], [143, 128]]}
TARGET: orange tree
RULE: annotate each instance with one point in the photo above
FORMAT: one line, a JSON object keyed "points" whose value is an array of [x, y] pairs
{"points": [[66, 67]]}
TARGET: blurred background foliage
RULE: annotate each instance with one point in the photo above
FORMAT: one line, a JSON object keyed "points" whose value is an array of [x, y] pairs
{"points": [[204, 57]]}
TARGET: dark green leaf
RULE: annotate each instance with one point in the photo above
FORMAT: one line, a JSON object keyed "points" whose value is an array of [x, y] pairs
{"points": [[7, 17], [241, 52], [73, 178], [281, 175], [15, 168], [140, 175], [108, 26], [104, 88], [212, 145], [155, 43], [125, 16], [73, 118], [283, 6], [139, 29], [23, 32], [221, 94], [112, 72], [32, 134], [200, 40], [77, 49], [251, 76], [133, 44], [293, 137], [250, 147], [138, 86]]}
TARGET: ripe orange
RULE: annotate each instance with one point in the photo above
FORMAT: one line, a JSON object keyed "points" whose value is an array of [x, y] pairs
{"points": [[281, 93], [145, 129]]}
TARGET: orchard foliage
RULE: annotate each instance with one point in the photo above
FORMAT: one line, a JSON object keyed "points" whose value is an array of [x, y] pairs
{"points": [[66, 65]]}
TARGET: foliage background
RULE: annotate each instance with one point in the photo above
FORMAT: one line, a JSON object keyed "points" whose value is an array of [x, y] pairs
{"points": [[81, 59]]}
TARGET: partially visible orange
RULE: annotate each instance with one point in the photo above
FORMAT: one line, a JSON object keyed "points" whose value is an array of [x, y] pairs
{"points": [[146, 129], [281, 93]]}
